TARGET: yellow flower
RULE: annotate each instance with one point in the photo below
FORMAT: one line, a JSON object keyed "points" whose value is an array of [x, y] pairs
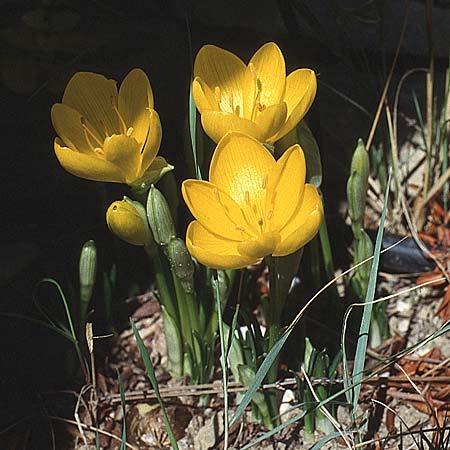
{"points": [[105, 135], [252, 206], [256, 99], [127, 219]]}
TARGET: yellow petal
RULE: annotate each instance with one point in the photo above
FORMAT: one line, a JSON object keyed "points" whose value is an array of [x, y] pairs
{"points": [[304, 225], [124, 152], [213, 251], [93, 96], [203, 96], [214, 209], [135, 99], [264, 245], [87, 166], [271, 119], [285, 187], [240, 164], [270, 70], [301, 87], [219, 68], [153, 141], [217, 124], [67, 123]]}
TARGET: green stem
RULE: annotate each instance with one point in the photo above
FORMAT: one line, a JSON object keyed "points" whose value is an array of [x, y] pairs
{"points": [[223, 360], [185, 316], [162, 275], [273, 321]]}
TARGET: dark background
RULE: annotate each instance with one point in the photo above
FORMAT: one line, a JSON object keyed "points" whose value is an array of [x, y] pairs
{"points": [[47, 214]]}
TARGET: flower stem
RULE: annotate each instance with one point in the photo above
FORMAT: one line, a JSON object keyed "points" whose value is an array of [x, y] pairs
{"points": [[223, 360], [273, 321]]}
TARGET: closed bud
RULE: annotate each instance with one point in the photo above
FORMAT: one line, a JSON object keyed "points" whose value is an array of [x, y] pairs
{"points": [[356, 197], [160, 217], [127, 220], [87, 269], [181, 263], [360, 161]]}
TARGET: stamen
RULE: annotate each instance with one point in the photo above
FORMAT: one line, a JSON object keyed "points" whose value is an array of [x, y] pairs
{"points": [[88, 134], [247, 197], [257, 105], [116, 110], [129, 131], [269, 214], [239, 228], [260, 222], [237, 110], [99, 151], [258, 85], [105, 130]]}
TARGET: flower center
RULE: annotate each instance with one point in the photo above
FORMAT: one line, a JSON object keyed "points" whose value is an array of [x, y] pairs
{"points": [[253, 210], [227, 103]]}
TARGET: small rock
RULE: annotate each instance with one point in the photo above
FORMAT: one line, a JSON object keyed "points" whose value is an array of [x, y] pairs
{"points": [[209, 434]]}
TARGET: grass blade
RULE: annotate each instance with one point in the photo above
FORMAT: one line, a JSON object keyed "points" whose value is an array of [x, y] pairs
{"points": [[275, 430], [193, 132], [260, 375], [123, 443], [152, 378], [360, 355]]}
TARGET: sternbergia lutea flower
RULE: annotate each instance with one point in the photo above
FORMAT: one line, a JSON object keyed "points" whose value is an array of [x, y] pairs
{"points": [[252, 206], [106, 135], [255, 99]]}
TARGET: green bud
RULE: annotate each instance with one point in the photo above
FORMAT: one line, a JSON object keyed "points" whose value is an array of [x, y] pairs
{"points": [[360, 161], [87, 269], [181, 263], [356, 197], [357, 185], [160, 217]]}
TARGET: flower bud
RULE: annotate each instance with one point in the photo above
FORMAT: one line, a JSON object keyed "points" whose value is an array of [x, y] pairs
{"points": [[127, 220], [87, 269], [160, 217], [360, 161], [356, 197], [181, 263]]}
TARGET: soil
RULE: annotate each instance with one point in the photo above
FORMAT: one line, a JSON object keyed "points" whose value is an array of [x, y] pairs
{"points": [[389, 408]]}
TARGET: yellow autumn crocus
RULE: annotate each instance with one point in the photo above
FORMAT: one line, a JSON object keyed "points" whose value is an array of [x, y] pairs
{"points": [[252, 206], [256, 99], [109, 135]]}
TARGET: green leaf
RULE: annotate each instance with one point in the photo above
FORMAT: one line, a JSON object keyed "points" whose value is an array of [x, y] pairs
{"points": [[173, 344], [361, 348]]}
